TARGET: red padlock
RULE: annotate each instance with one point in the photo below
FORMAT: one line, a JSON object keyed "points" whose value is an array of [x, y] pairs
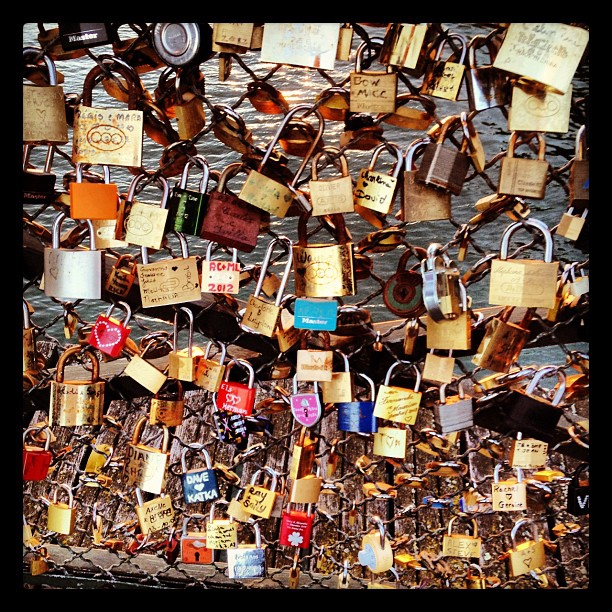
{"points": [[36, 460], [296, 527], [237, 397], [109, 334]]}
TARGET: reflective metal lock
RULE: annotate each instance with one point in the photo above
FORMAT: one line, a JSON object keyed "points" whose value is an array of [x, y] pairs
{"points": [[61, 517], [333, 103], [258, 499], [334, 194], [303, 456], [306, 406], [109, 335], [454, 413], [467, 546], [75, 403], [199, 484], [144, 372], [237, 397], [72, 274], [266, 98], [121, 276], [578, 492], [93, 200], [452, 334], [247, 561], [154, 514], [306, 490], [403, 45], [209, 373], [182, 44], [167, 407], [571, 225], [358, 416], [441, 284], [486, 85], [296, 527], [36, 460], [193, 543], [443, 78], [182, 363], [398, 404], [73, 35], [145, 466], [189, 113], [508, 495], [528, 555], [314, 364]]}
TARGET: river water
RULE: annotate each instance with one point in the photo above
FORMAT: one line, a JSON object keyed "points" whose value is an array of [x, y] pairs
{"points": [[301, 86]]}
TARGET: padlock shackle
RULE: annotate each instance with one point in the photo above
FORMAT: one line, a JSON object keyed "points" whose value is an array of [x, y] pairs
{"points": [[416, 146], [209, 251], [27, 323], [144, 251], [410, 364], [342, 235], [543, 372], [228, 111], [125, 306], [57, 224], [536, 224], [370, 383], [519, 473], [158, 179], [189, 314], [79, 172], [139, 427], [73, 351], [66, 488], [213, 505], [475, 43], [541, 144], [218, 344], [521, 523], [112, 64], [270, 472], [27, 151], [33, 54], [364, 46], [581, 147], [188, 517], [392, 148], [456, 37], [46, 431], [201, 162], [474, 529], [196, 446], [286, 242], [315, 385], [328, 152], [245, 365]]}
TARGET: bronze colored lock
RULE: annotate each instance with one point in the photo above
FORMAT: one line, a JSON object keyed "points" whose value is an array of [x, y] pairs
{"points": [[314, 364], [182, 364], [408, 115], [209, 373], [74, 403], [30, 359], [333, 103], [298, 136], [452, 334], [404, 45], [443, 78], [266, 98], [138, 51], [167, 408], [61, 517], [462, 545], [403, 291], [331, 195], [230, 128], [190, 115], [528, 555]]}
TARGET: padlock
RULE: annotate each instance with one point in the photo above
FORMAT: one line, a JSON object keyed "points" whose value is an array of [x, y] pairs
{"points": [[61, 517], [324, 270], [36, 460], [30, 356], [75, 403], [442, 166], [372, 91], [144, 372], [315, 314], [527, 453], [193, 543], [376, 553], [441, 284], [182, 363], [421, 201], [333, 103], [266, 98], [73, 36], [44, 110], [167, 406], [199, 484], [306, 490], [522, 176], [508, 495], [183, 44], [487, 86], [525, 410], [230, 428], [121, 276], [190, 115], [209, 373], [286, 333], [72, 274], [154, 514], [334, 194], [578, 492], [247, 561], [314, 364], [438, 368], [452, 334], [269, 194], [409, 116], [39, 564], [475, 581], [186, 207], [533, 109], [169, 281], [306, 406], [109, 335], [403, 290], [108, 135], [230, 128], [376, 190], [233, 37], [141, 223], [454, 413], [410, 45], [578, 180], [398, 404], [358, 415], [411, 335], [296, 526], [233, 396], [529, 555], [303, 455], [298, 136], [50, 41], [259, 499], [228, 219], [145, 466], [340, 387], [93, 200], [524, 282], [361, 133], [220, 276], [261, 317], [571, 225], [38, 183], [385, 584], [467, 546], [443, 78]]}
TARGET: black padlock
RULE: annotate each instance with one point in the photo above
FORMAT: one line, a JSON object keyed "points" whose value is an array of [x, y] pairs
{"points": [[84, 35], [38, 184], [230, 428], [578, 495]]}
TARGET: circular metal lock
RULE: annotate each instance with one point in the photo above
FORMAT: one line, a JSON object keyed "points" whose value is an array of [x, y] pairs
{"points": [[180, 44], [403, 291]]}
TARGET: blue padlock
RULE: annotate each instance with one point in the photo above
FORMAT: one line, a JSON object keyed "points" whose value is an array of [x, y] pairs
{"points": [[199, 484], [358, 416]]}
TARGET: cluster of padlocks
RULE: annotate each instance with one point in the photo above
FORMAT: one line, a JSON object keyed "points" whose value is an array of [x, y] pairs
{"points": [[426, 469]]}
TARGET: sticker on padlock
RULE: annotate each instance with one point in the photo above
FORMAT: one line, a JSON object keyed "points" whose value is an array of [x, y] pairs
{"points": [[109, 335], [237, 397], [306, 407], [376, 553], [154, 514], [296, 526]]}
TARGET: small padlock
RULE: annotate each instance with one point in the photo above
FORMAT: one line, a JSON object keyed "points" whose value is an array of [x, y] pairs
{"points": [[145, 466], [358, 415], [154, 514], [403, 45], [475, 581], [571, 225], [376, 553], [398, 404], [443, 78], [441, 284], [121, 276], [333, 103], [220, 276], [527, 453], [230, 428], [61, 517], [247, 561], [230, 128], [314, 364], [578, 492], [199, 484], [258, 499], [306, 490], [331, 195], [508, 495], [303, 455], [454, 413], [452, 334], [340, 387], [528, 555], [109, 335], [578, 181], [144, 372], [30, 357], [411, 117], [182, 363], [167, 406], [403, 290], [38, 183], [233, 396], [92, 200], [75, 403], [36, 460], [466, 546], [193, 543], [306, 406], [209, 373], [266, 98], [189, 112], [296, 526]]}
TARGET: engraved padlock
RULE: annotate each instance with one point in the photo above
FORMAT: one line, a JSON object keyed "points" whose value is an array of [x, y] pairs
{"points": [[529, 555], [210, 372], [247, 561], [168, 404], [443, 78], [61, 517], [183, 363], [220, 275], [296, 526], [395, 403], [333, 194], [508, 495], [199, 484]]}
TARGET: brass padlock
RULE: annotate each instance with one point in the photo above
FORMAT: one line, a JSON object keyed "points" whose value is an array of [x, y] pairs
{"points": [[306, 489], [209, 373], [144, 372], [443, 78], [30, 359], [230, 128], [302, 459], [167, 407], [182, 364], [154, 514], [61, 517], [462, 545], [528, 555], [508, 495], [331, 195], [398, 404], [409, 116], [314, 364]]}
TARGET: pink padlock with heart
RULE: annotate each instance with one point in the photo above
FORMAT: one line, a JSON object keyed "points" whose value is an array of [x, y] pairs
{"points": [[109, 334]]}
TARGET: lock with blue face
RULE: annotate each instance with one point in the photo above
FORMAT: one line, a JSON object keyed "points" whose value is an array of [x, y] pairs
{"points": [[315, 314], [200, 483], [358, 416]]}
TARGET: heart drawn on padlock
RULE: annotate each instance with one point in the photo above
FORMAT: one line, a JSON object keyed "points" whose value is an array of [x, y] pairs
{"points": [[527, 561], [198, 486], [105, 336]]}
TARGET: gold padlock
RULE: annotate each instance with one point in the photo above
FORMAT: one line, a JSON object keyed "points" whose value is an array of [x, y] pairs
{"points": [[462, 545], [528, 555], [182, 364], [306, 490], [61, 517], [302, 459], [168, 408]]}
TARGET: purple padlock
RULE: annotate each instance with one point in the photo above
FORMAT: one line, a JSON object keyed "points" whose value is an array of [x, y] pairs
{"points": [[306, 407]]}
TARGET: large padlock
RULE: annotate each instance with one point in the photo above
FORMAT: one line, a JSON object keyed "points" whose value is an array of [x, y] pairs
{"points": [[38, 184], [93, 200], [121, 276], [230, 128], [466, 546], [72, 274], [108, 334], [441, 284], [228, 219], [421, 201], [334, 194], [578, 492], [108, 135], [167, 405], [376, 553], [528, 555], [443, 166], [443, 78], [508, 495], [260, 316], [486, 85], [395, 403], [358, 415], [183, 363], [522, 176], [36, 459], [145, 466], [199, 484], [376, 190], [306, 406], [403, 290], [154, 514], [247, 561], [296, 526], [186, 207], [193, 543], [258, 499], [61, 517], [372, 91], [182, 44], [210, 372], [144, 372], [524, 282], [44, 110], [578, 180], [454, 413], [233, 396], [268, 194], [324, 269], [169, 281], [77, 402]]}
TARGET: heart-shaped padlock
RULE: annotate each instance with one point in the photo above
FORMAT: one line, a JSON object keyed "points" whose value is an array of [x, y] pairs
{"points": [[403, 291]]}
